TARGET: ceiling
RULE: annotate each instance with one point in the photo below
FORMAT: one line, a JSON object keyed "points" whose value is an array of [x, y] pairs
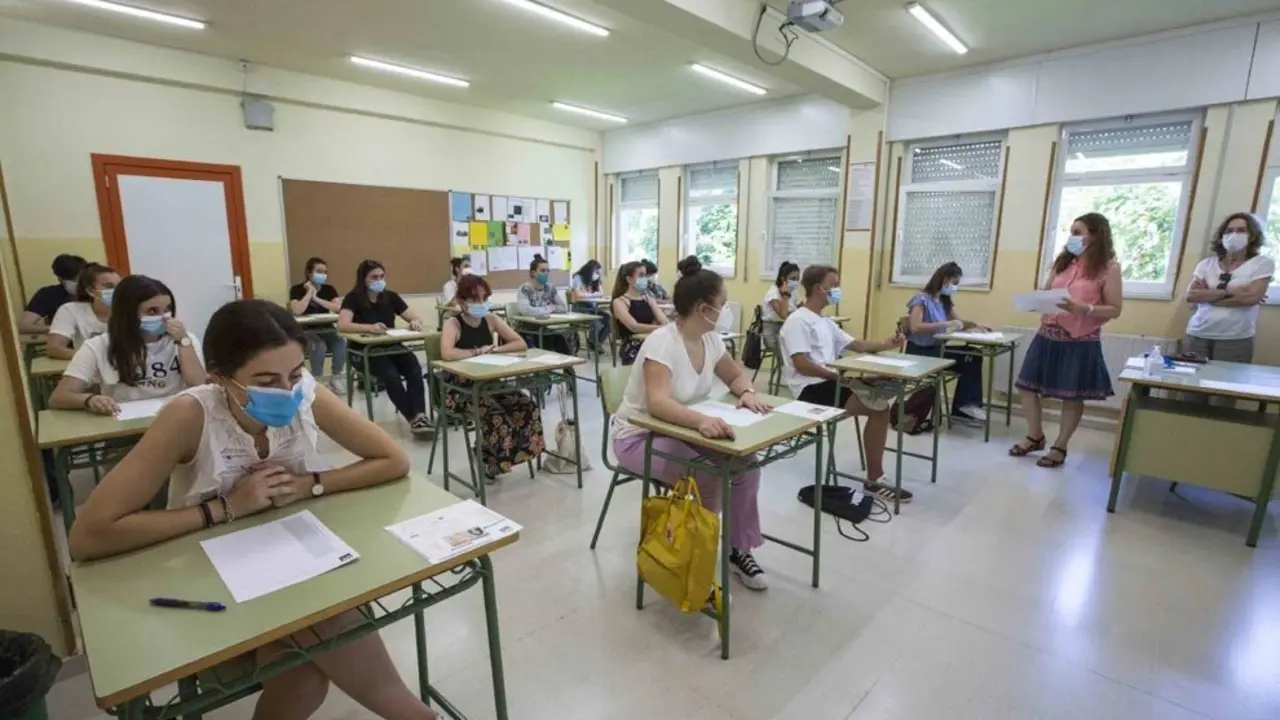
{"points": [[883, 35]]}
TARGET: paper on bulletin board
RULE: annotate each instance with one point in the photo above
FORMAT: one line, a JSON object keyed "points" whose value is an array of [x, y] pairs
{"points": [[504, 258], [527, 252], [497, 233], [558, 257], [460, 206], [460, 240], [543, 211], [523, 232], [861, 193], [501, 205], [544, 232], [527, 205], [560, 232], [513, 233], [479, 235], [560, 212], [480, 207], [479, 262]]}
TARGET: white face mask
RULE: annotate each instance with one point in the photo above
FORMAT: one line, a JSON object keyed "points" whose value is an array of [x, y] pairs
{"points": [[466, 271], [1235, 242], [724, 321]]}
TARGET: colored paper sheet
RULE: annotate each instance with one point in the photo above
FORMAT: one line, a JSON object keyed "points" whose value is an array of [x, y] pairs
{"points": [[527, 253], [460, 206], [522, 233], [504, 258], [513, 233], [480, 207], [544, 232], [497, 233], [560, 232], [479, 262], [460, 239], [558, 257], [479, 235], [543, 211], [501, 206]]}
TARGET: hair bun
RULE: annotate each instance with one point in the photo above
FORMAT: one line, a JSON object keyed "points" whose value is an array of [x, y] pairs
{"points": [[689, 266], [538, 256]]}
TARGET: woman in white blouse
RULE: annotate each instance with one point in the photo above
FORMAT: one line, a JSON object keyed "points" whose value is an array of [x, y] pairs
{"points": [[780, 300], [1226, 289], [86, 317]]}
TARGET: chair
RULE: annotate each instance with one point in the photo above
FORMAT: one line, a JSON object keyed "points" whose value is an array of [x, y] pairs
{"points": [[948, 376], [613, 382], [769, 350]]}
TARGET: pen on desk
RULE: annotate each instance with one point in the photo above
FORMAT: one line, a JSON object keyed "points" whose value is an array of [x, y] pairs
{"points": [[188, 604]]}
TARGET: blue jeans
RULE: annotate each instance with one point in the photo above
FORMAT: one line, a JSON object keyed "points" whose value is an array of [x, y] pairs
{"points": [[319, 344]]}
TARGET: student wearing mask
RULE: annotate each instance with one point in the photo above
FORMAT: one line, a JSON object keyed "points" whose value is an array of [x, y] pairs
{"points": [[811, 341], [654, 289], [245, 443], [76, 322], [539, 298], [1064, 360], [780, 300], [932, 311], [459, 267], [586, 282], [510, 422], [635, 310], [677, 367], [315, 296], [47, 300], [1226, 290], [372, 308], [146, 353]]}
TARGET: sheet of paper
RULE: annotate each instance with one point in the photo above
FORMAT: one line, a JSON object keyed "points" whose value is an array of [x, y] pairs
{"points": [[1263, 390], [138, 409], [988, 336], [460, 240], [452, 530], [498, 360], [479, 262], [504, 258], [523, 231], [401, 332], [558, 257], [1137, 363], [543, 211], [460, 206], [528, 251], [273, 556], [882, 360], [527, 210], [560, 232], [735, 416], [478, 235], [809, 411], [497, 234], [549, 358], [515, 210], [501, 205], [1040, 301], [544, 233], [480, 207], [560, 212], [861, 192]]}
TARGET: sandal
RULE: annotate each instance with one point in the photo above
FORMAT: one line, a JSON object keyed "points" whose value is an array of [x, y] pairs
{"points": [[1049, 461], [886, 492], [1035, 445]]}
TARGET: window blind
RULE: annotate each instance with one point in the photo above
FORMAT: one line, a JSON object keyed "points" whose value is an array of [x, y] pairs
{"points": [[949, 163], [641, 188], [713, 181], [941, 227], [1131, 139], [809, 174], [804, 231]]}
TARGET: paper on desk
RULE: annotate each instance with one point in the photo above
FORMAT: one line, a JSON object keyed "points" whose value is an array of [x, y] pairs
{"points": [[548, 358], [881, 360], [1041, 301], [735, 416], [1244, 388], [989, 336], [809, 411], [1138, 363], [394, 332], [453, 530], [499, 360], [138, 409], [271, 557]]}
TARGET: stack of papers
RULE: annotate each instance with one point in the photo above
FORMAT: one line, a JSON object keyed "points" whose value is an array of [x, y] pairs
{"points": [[1040, 301], [882, 360], [549, 358], [139, 409], [809, 411], [454, 530], [499, 360], [988, 336], [270, 557], [735, 416], [1137, 363], [393, 332]]}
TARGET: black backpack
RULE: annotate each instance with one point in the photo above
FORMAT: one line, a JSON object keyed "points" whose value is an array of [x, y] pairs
{"points": [[753, 350], [838, 501], [918, 409]]}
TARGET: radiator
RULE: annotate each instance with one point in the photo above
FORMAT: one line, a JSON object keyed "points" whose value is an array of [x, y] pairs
{"points": [[1116, 349]]}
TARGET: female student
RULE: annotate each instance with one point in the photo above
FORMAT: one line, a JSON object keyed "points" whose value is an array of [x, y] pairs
{"points": [[244, 443], [654, 289], [780, 300], [510, 422], [47, 300], [315, 296], [1064, 360], [146, 353], [586, 282], [371, 308], [1226, 289], [932, 311], [458, 267], [78, 321], [635, 310], [677, 367], [539, 298]]}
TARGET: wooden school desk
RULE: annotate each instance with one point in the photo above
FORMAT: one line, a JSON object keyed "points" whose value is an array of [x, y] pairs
{"points": [[319, 323], [82, 440], [988, 348], [363, 346], [32, 345], [134, 649], [775, 437], [573, 322], [44, 374]]}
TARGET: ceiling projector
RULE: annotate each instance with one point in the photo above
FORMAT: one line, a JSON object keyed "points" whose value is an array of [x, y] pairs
{"points": [[814, 15]]}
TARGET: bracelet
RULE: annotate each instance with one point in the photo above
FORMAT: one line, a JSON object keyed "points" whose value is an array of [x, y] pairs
{"points": [[89, 400], [746, 392], [207, 514], [226, 510]]}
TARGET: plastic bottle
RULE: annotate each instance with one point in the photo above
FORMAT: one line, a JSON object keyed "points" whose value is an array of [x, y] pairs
{"points": [[1153, 362]]}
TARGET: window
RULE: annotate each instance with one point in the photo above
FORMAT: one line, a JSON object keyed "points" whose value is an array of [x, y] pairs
{"points": [[636, 232], [1269, 210], [947, 210], [711, 215], [802, 211], [1136, 172]]}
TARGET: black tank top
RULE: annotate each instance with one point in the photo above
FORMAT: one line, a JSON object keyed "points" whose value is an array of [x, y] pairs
{"points": [[470, 338], [641, 312]]}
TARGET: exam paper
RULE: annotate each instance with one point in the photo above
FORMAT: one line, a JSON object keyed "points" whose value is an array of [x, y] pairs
{"points": [[881, 360], [271, 557], [1138, 363], [499, 360], [809, 411], [735, 416], [1040, 301], [548, 358], [395, 332], [453, 530], [1244, 388], [987, 336], [138, 409]]}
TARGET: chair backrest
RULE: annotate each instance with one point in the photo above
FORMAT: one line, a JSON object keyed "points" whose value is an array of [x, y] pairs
{"points": [[432, 345], [512, 310], [613, 382]]}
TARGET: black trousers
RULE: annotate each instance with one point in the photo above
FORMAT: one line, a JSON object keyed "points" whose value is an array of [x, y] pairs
{"points": [[408, 396], [967, 367]]}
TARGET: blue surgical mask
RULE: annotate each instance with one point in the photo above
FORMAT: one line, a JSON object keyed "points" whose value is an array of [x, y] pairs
{"points": [[834, 295], [152, 324], [793, 285], [378, 286], [478, 310], [105, 295], [1075, 244], [543, 277], [949, 289], [642, 283], [319, 279], [273, 407]]}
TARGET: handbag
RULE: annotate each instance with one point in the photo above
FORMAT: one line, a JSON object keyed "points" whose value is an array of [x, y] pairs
{"points": [[565, 446], [677, 553], [753, 350]]}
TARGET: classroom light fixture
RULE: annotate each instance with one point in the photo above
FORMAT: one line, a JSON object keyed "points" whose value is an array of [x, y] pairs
{"points": [[587, 111], [411, 72], [561, 17], [927, 19], [727, 79], [142, 13]]}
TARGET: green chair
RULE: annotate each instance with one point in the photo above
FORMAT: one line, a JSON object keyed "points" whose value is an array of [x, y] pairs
{"points": [[613, 382], [948, 376]]}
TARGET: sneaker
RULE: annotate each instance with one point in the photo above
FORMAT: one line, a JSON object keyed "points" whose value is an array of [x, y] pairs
{"points": [[338, 385], [974, 412], [422, 426], [748, 570]]}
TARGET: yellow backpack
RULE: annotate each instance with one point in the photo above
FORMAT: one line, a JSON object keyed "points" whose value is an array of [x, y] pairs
{"points": [[677, 553]]}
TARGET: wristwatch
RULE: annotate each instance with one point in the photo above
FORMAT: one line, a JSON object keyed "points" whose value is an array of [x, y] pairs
{"points": [[185, 342], [317, 487], [746, 392]]}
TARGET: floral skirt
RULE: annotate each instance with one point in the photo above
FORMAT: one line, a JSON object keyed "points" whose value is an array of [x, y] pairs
{"points": [[510, 423], [628, 349], [1066, 368]]}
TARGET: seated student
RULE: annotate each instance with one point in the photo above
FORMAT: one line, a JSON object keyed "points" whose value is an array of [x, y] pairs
{"points": [[584, 285], [78, 321], [314, 296], [780, 300], [371, 308], [146, 353], [510, 422], [46, 301], [653, 289], [677, 367], [809, 342], [245, 443], [932, 311], [539, 298], [458, 268], [635, 310]]}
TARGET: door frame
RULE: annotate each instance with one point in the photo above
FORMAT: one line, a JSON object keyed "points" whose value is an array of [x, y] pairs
{"points": [[108, 168]]}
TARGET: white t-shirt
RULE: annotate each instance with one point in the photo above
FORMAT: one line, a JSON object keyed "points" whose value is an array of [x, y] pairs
{"points": [[76, 322], [766, 310], [1228, 323], [450, 290], [688, 386], [818, 337], [161, 377]]}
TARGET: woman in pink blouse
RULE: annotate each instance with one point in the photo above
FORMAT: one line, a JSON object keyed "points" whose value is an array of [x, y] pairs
{"points": [[1065, 358]]}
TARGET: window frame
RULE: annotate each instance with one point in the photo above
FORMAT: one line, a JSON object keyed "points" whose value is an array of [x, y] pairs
{"points": [[621, 206], [769, 268], [1270, 176], [1185, 174], [689, 203]]}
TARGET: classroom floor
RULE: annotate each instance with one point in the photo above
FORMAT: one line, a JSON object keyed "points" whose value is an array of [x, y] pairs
{"points": [[1005, 591]]}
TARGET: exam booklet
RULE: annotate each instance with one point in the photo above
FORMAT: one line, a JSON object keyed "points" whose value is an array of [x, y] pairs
{"points": [[453, 530]]}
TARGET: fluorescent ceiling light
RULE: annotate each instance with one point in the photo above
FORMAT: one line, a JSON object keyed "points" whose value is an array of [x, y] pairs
{"points": [[411, 72], [585, 111], [140, 13], [727, 79], [553, 14], [928, 20]]}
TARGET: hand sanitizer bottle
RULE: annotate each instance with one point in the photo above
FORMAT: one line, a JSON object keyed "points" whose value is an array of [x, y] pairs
{"points": [[1154, 362]]}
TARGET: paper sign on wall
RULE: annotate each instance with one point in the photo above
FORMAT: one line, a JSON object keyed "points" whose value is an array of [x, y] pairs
{"points": [[527, 210], [479, 262], [560, 232], [544, 211], [481, 207], [513, 233], [527, 253], [544, 232], [558, 257], [460, 241], [861, 189], [522, 233], [504, 258], [479, 235], [460, 206], [497, 233], [560, 212], [501, 206]]}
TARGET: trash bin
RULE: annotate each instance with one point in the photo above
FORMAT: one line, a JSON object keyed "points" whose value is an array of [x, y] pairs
{"points": [[28, 668]]}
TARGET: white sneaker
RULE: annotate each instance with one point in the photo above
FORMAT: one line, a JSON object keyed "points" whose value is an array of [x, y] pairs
{"points": [[975, 411], [748, 570], [338, 386]]}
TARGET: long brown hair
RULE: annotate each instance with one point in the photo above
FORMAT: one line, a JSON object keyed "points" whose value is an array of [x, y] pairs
{"points": [[126, 348], [1256, 235], [1097, 254], [624, 272], [943, 275]]}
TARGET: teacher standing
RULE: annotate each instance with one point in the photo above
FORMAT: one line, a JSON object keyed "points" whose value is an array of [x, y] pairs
{"points": [[1226, 289], [1064, 360]]}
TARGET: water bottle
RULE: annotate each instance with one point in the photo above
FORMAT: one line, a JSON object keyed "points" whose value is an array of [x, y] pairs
{"points": [[1153, 362]]}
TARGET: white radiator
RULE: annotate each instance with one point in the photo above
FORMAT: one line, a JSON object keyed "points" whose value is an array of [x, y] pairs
{"points": [[1116, 349]]}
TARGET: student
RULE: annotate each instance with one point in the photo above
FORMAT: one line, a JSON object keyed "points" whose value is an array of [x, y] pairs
{"points": [[586, 282], [1064, 360], [654, 290], [458, 267], [539, 298], [931, 312], [78, 321], [510, 422], [244, 443], [780, 300], [314, 296], [47, 300], [677, 367], [371, 308], [635, 310], [146, 353], [809, 342], [1226, 289]]}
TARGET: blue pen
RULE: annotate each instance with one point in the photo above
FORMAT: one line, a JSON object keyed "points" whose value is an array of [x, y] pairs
{"points": [[188, 604]]}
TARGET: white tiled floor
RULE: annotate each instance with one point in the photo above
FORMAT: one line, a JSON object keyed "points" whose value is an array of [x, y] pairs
{"points": [[1005, 591]]}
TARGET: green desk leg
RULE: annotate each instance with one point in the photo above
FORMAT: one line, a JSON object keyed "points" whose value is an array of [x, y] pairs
{"points": [[351, 373], [420, 640], [1008, 403], [991, 380], [817, 505], [1265, 489], [726, 483], [937, 425], [897, 478], [188, 688], [644, 496], [442, 432], [1126, 432], [495, 641], [478, 480], [62, 472], [368, 386], [135, 709], [577, 424]]}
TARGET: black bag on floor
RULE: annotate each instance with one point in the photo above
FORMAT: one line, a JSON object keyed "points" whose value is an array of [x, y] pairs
{"points": [[753, 350], [918, 409], [28, 668], [838, 501]]}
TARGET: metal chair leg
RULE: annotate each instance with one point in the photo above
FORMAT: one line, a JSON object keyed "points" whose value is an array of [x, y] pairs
{"points": [[608, 498], [857, 431]]}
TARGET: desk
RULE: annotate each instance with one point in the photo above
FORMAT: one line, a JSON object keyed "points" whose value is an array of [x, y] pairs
{"points": [[444, 312], [905, 380], [44, 374], [989, 350], [32, 345], [319, 323], [134, 649], [574, 323], [363, 346], [487, 380], [779, 436], [82, 440], [1220, 448]]}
